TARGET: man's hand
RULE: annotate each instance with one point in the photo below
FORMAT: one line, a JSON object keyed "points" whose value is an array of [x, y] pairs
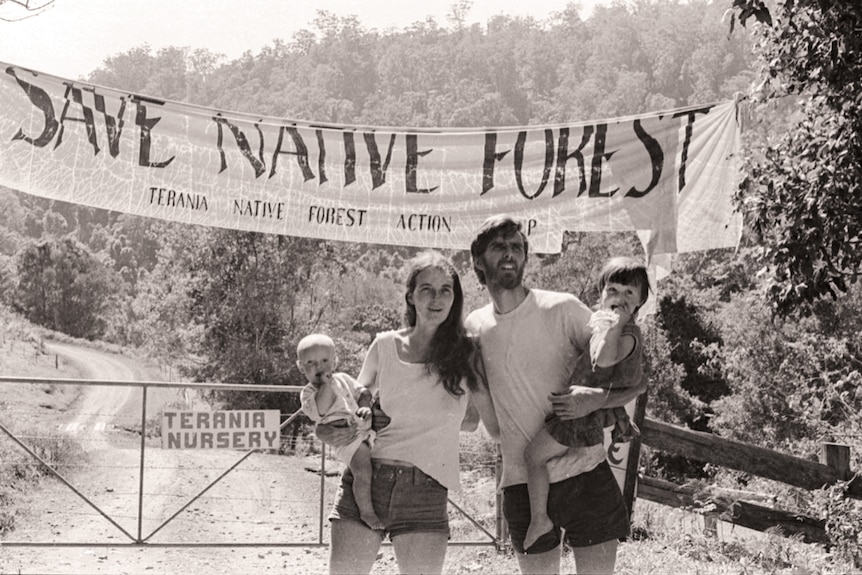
{"points": [[578, 401], [336, 436]]}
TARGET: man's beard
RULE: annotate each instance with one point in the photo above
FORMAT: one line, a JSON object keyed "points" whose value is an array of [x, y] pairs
{"points": [[505, 280]]}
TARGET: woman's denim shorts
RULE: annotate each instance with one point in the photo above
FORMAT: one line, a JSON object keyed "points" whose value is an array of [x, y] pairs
{"points": [[405, 499]]}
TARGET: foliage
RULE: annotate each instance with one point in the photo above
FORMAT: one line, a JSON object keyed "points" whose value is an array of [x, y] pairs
{"points": [[577, 267], [62, 287], [511, 71], [796, 379], [667, 399], [375, 318], [20, 470], [843, 518], [243, 286], [690, 338], [238, 302], [163, 326], [801, 193]]}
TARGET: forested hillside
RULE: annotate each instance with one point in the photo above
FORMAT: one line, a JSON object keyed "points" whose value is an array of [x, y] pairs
{"points": [[230, 306]]}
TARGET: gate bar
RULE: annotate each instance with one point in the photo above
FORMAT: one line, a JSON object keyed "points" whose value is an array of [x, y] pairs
{"points": [[168, 384], [141, 473], [63, 479], [474, 522], [238, 545], [322, 492]]}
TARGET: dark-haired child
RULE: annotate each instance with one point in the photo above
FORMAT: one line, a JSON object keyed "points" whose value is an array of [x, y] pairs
{"points": [[614, 362]]}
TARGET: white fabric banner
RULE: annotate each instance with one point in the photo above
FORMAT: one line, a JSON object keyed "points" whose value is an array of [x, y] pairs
{"points": [[669, 175]]}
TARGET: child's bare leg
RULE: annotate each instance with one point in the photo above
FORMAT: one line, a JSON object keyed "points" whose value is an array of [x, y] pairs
{"points": [[539, 451], [360, 466]]}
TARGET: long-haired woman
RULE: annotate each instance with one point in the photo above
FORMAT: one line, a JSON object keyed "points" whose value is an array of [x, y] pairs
{"points": [[425, 380]]}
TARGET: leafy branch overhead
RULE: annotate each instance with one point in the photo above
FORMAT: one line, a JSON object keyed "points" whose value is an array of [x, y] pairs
{"points": [[801, 192]]}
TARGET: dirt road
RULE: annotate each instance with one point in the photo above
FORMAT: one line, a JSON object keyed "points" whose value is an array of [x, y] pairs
{"points": [[266, 499], [99, 407]]}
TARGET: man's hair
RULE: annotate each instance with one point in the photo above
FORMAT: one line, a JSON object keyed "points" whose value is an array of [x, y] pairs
{"points": [[500, 224], [626, 271]]}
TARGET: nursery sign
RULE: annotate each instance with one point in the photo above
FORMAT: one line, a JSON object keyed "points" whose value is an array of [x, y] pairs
{"points": [[234, 429], [669, 175]]}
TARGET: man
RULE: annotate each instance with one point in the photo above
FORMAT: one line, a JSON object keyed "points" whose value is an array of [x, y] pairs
{"points": [[529, 340]]}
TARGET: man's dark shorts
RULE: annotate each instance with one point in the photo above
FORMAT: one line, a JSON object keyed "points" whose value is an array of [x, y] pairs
{"points": [[589, 507]]}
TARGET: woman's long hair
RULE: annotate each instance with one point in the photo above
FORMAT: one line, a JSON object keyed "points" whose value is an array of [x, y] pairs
{"points": [[450, 352]]}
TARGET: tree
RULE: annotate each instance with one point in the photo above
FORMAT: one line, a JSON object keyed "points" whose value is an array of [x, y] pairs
{"points": [[164, 326], [792, 381], [690, 337], [129, 70], [175, 73], [63, 287], [802, 191], [244, 300]]}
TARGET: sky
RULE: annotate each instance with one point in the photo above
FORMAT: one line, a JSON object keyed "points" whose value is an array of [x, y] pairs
{"points": [[73, 37]]}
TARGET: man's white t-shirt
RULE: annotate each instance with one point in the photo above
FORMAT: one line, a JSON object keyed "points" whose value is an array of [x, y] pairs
{"points": [[529, 353]]}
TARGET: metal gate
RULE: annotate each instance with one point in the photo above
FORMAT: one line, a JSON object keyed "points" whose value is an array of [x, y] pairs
{"points": [[140, 538]]}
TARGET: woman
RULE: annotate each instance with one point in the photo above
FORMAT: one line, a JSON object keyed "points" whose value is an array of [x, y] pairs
{"points": [[424, 377]]}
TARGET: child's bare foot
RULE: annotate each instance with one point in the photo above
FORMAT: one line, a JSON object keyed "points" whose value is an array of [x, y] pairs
{"points": [[537, 528], [370, 518]]}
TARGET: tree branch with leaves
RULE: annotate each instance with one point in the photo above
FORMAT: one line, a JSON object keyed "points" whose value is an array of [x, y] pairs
{"points": [[801, 193]]}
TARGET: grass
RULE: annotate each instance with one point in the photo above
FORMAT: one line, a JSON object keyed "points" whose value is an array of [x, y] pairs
{"points": [[671, 541], [22, 354]]}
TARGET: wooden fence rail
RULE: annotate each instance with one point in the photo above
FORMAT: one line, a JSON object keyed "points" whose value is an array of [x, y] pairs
{"points": [[743, 508], [733, 508]]}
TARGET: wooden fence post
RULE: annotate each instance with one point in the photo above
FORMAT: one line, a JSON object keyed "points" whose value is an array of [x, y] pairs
{"points": [[633, 463], [710, 525], [836, 456]]}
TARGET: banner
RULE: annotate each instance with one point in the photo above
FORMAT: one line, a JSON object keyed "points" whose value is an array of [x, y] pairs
{"points": [[669, 175]]}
